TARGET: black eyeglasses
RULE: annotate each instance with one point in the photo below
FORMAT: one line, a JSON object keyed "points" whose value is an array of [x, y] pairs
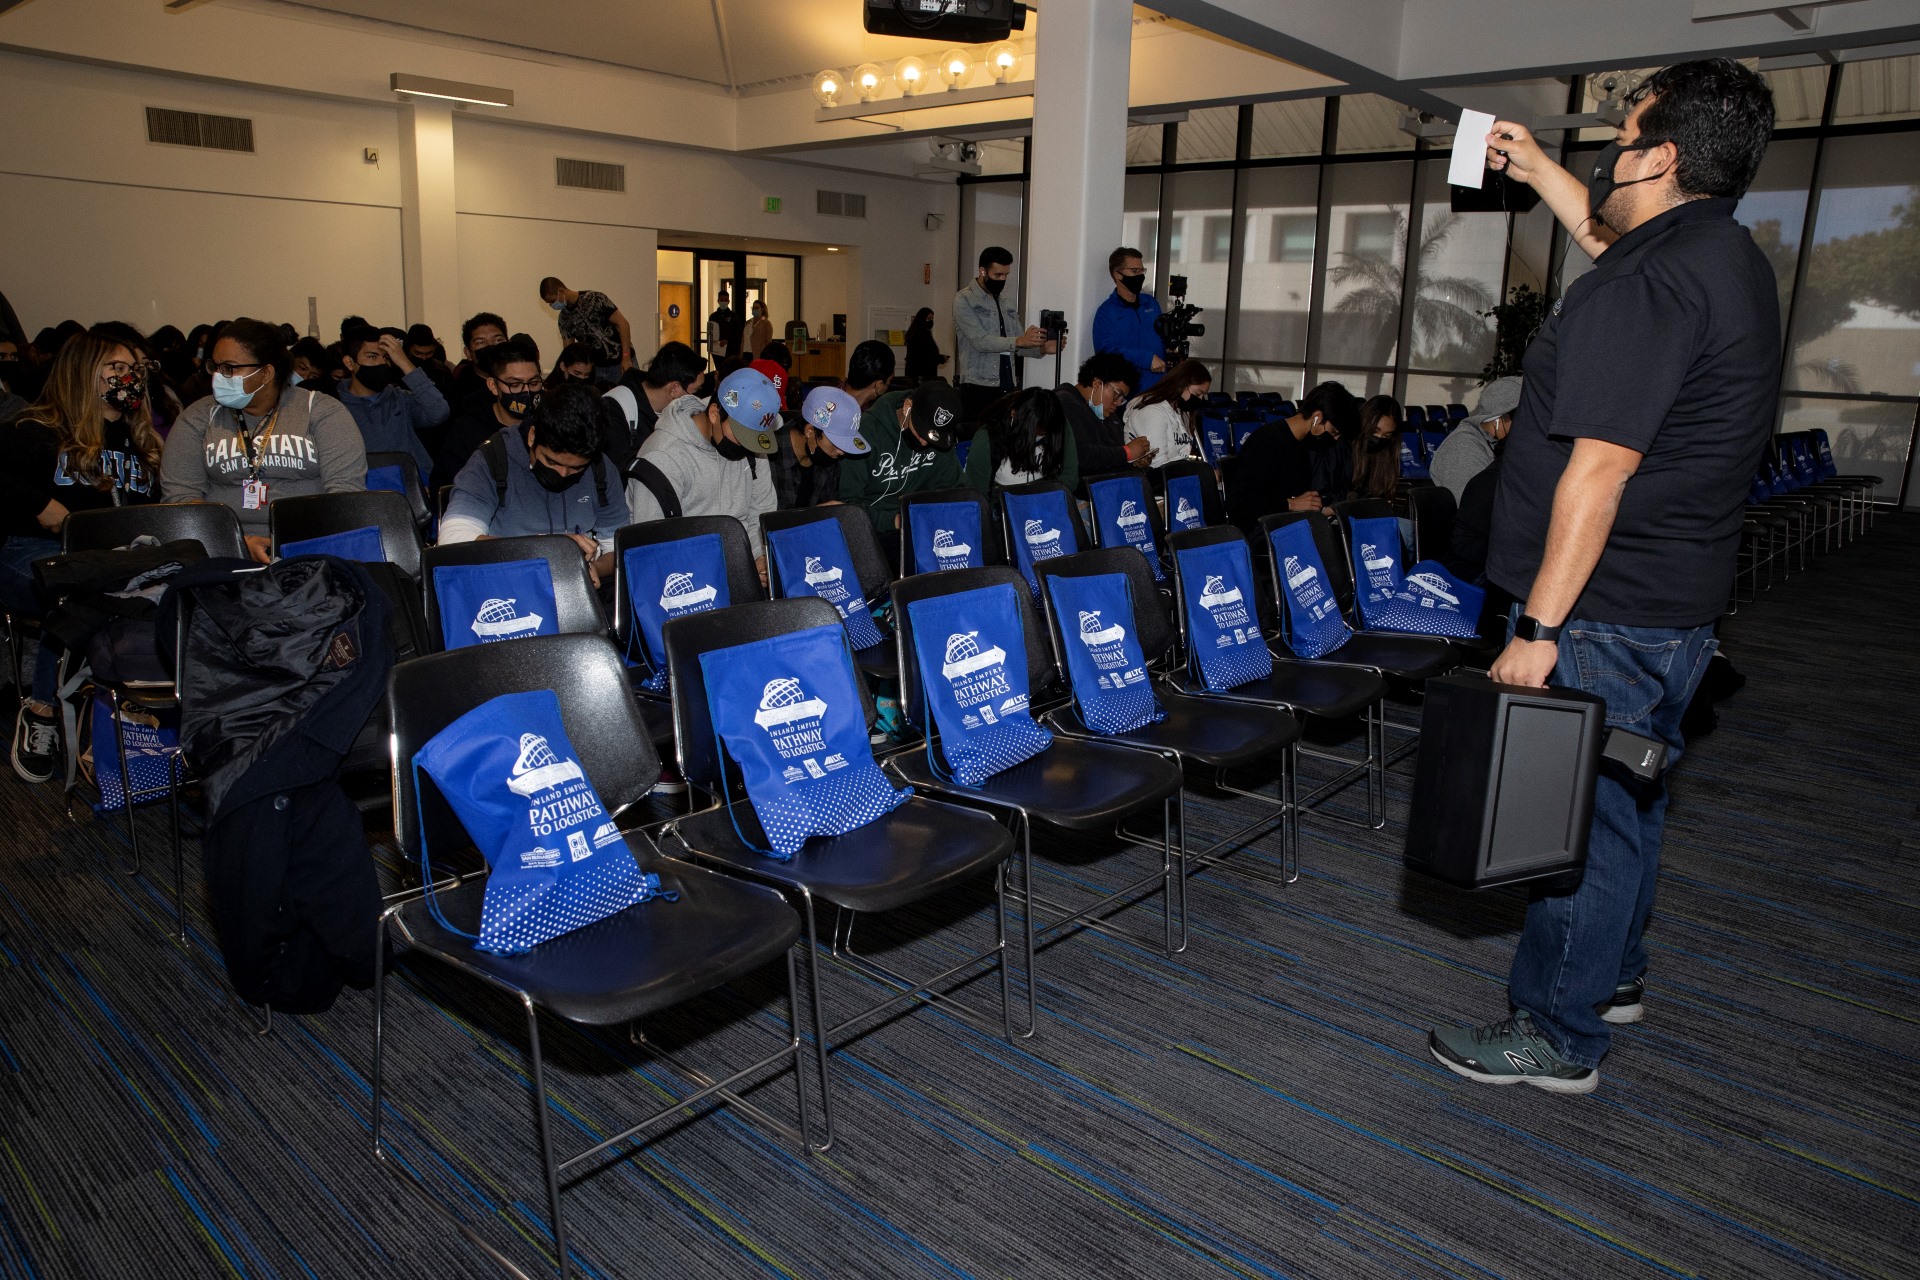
{"points": [[228, 368]]}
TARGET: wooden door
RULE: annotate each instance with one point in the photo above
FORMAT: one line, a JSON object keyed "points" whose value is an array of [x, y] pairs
{"points": [[676, 312]]}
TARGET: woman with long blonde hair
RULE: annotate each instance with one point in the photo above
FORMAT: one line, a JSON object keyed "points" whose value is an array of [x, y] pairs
{"points": [[87, 442]]}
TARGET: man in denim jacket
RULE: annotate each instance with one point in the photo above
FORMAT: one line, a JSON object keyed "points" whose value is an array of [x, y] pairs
{"points": [[988, 336]]}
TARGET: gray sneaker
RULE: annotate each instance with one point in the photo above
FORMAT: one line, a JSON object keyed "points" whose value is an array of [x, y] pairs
{"points": [[1625, 1004], [1511, 1051]]}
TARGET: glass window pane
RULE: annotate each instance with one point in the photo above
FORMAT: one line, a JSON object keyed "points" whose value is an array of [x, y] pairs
{"points": [[1775, 209], [1856, 323], [1287, 128], [1799, 95], [1443, 388], [1276, 265], [1266, 377], [1198, 200], [1869, 437], [1208, 134], [1362, 382], [1457, 270], [1000, 156], [1883, 89], [1366, 231], [1144, 142], [1140, 223], [1369, 122]]}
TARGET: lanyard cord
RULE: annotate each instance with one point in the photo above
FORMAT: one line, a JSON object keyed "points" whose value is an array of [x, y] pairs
{"points": [[247, 445]]}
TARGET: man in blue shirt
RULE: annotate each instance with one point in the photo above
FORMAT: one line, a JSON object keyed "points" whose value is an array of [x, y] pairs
{"points": [[547, 476], [1124, 323], [390, 399]]}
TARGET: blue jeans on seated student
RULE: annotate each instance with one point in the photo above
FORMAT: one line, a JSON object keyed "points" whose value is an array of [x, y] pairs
{"points": [[17, 597], [1576, 947]]}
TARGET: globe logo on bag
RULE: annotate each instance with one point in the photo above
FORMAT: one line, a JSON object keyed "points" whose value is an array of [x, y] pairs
{"points": [[945, 549], [1299, 575], [536, 768], [784, 701], [679, 594], [965, 656], [1433, 585], [818, 573], [1130, 515], [1039, 536], [1183, 512], [1094, 632], [1215, 594], [497, 620]]}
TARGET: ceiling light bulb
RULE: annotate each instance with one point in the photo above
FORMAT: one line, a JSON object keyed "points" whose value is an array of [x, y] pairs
{"points": [[826, 87], [866, 78], [955, 67], [910, 74], [1001, 60]]}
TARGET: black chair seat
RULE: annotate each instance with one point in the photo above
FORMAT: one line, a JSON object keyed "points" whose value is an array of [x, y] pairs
{"points": [[1081, 786], [881, 661], [1209, 732], [637, 962], [1330, 692], [918, 849], [658, 717], [1408, 656]]}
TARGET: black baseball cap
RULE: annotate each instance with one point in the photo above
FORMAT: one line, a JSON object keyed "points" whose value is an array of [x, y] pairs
{"points": [[936, 411]]}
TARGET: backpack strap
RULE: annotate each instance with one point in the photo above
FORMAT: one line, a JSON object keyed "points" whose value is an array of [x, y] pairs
{"points": [[495, 452], [657, 484]]}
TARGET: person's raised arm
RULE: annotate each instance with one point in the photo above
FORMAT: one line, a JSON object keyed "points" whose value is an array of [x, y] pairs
{"points": [[626, 338], [1512, 149]]}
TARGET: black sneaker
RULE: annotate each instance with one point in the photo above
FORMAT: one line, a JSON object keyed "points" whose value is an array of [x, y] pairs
{"points": [[1625, 1005], [36, 744], [1510, 1051]]}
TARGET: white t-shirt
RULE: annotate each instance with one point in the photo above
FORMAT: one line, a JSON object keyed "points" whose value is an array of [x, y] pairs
{"points": [[1165, 429]]}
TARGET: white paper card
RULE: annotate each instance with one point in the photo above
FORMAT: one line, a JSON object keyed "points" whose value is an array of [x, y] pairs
{"points": [[1469, 167]]}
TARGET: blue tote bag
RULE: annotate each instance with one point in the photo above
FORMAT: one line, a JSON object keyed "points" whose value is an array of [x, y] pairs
{"points": [[354, 544], [1120, 507], [1041, 527], [557, 861], [1427, 601], [973, 674], [1315, 627], [1223, 632], [487, 603], [789, 714], [813, 560], [668, 580], [1216, 438], [1186, 507], [1104, 659], [946, 535]]}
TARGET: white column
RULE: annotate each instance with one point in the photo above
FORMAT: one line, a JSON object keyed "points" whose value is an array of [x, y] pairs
{"points": [[1077, 191], [427, 252]]}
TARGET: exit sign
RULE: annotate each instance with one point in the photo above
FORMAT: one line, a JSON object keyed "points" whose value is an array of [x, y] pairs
{"points": [[773, 204]]}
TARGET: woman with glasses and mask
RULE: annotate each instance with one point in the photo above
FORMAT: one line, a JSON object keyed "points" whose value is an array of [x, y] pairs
{"points": [[88, 442], [257, 438], [163, 401]]}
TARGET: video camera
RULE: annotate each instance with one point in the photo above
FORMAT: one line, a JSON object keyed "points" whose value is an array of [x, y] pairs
{"points": [[1175, 325]]}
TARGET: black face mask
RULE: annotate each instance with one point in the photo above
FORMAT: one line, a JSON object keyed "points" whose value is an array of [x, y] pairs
{"points": [[518, 404], [993, 286], [376, 377], [553, 481], [1135, 284], [729, 449], [1376, 444], [1604, 184]]}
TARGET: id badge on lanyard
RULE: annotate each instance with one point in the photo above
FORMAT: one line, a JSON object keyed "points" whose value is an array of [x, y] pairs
{"points": [[253, 494]]}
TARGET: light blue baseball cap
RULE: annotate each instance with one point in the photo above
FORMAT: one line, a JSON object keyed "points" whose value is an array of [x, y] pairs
{"points": [[835, 414], [753, 402]]}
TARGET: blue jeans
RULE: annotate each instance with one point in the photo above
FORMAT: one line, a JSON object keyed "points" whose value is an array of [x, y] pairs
{"points": [[17, 598], [1576, 947]]}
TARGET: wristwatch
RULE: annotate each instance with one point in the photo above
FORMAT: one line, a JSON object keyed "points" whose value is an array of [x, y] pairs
{"points": [[1531, 628]]}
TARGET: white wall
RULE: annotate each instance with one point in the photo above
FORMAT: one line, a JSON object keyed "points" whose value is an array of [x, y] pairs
{"points": [[502, 261]]}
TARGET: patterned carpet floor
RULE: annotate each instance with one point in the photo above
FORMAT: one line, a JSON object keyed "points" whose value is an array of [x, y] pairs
{"points": [[1260, 1106]]}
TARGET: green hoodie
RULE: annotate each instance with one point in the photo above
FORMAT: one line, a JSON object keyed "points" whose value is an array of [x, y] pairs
{"points": [[893, 466]]}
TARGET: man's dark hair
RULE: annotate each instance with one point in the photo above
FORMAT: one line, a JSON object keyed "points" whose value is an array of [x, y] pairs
{"points": [[674, 362], [567, 420], [261, 341], [994, 256], [348, 324], [501, 354], [780, 353], [550, 287], [1106, 366], [480, 321], [1332, 401], [1121, 254], [871, 362], [1719, 117], [311, 350], [355, 339]]}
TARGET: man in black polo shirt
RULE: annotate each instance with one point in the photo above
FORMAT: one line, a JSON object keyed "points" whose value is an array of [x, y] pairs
{"points": [[1649, 396]]}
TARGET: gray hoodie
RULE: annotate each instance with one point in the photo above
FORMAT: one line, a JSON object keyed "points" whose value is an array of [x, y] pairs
{"points": [[313, 447], [706, 483]]}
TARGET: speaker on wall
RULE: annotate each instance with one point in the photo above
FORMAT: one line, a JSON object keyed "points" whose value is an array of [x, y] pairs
{"points": [[1503, 786]]}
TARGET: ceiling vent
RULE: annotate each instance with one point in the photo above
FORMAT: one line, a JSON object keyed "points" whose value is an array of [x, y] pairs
{"points": [[197, 129], [589, 175], [840, 204]]}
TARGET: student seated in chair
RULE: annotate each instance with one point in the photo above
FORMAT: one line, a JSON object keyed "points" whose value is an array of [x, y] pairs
{"points": [[1274, 469], [547, 476]]}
